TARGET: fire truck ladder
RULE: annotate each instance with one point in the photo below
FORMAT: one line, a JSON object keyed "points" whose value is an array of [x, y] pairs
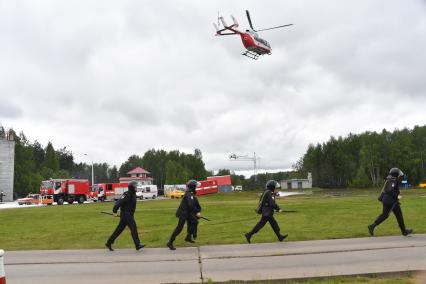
{"points": [[251, 54]]}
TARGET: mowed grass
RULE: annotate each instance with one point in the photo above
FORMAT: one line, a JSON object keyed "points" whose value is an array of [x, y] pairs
{"points": [[324, 214], [389, 278]]}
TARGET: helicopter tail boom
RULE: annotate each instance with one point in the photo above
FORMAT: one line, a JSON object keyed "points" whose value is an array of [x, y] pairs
{"points": [[230, 30]]}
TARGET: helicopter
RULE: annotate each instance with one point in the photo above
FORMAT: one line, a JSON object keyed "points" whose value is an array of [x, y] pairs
{"points": [[255, 45]]}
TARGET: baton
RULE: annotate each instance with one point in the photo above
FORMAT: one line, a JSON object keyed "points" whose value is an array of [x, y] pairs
{"points": [[288, 211], [207, 219], [109, 213]]}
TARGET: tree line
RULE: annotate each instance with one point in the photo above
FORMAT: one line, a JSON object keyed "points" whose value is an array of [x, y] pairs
{"points": [[358, 160], [364, 160], [34, 163]]}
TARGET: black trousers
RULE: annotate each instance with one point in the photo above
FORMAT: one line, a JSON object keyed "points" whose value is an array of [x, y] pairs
{"points": [[396, 209], [126, 219], [262, 223], [192, 229], [178, 228]]}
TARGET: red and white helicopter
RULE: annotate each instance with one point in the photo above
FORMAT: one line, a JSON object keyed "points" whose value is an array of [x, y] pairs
{"points": [[255, 45]]}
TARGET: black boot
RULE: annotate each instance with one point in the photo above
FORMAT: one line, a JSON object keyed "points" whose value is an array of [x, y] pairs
{"points": [[189, 239], [407, 232], [371, 229], [139, 246], [109, 246], [282, 237], [170, 245], [248, 237]]}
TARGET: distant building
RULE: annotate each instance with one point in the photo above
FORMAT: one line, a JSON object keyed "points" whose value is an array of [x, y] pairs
{"points": [[223, 182], [297, 183], [139, 175], [7, 164]]}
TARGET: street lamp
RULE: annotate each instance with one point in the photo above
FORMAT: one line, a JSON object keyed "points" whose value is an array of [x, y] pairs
{"points": [[93, 177]]}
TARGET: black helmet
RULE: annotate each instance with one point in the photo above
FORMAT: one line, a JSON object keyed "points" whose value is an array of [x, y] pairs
{"points": [[132, 186], [395, 172], [272, 185], [191, 185]]}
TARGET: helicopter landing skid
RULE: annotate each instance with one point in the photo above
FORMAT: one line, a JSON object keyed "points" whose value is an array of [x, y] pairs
{"points": [[251, 54]]}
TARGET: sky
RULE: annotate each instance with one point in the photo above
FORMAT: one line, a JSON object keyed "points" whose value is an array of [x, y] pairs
{"points": [[117, 78]]}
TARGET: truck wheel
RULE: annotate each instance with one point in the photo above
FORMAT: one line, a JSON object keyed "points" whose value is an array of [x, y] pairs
{"points": [[70, 201], [60, 201], [81, 199], [153, 197]]}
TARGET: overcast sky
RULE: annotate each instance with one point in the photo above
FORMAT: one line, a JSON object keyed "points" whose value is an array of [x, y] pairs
{"points": [[116, 78]]}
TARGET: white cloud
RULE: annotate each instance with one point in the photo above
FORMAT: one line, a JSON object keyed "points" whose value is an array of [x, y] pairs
{"points": [[118, 78]]}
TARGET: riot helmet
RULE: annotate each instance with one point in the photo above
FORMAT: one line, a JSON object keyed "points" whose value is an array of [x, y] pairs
{"points": [[191, 185], [395, 172], [272, 185], [132, 186]]}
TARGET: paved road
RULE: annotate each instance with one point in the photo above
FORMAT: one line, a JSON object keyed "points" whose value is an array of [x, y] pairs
{"points": [[219, 263]]}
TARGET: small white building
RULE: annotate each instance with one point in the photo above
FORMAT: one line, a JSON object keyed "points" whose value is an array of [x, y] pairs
{"points": [[297, 183]]}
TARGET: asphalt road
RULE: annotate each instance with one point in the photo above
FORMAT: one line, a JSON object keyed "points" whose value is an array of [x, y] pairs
{"points": [[219, 263]]}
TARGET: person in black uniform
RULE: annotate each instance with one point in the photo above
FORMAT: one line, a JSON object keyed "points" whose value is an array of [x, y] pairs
{"points": [[189, 211], [390, 199], [267, 207], [127, 205]]}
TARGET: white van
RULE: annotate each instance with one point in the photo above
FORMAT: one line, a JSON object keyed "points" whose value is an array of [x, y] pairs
{"points": [[147, 191]]}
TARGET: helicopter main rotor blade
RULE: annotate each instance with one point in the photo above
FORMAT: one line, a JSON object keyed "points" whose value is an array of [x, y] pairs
{"points": [[249, 20], [277, 27]]}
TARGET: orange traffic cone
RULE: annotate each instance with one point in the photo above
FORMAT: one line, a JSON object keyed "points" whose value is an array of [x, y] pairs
{"points": [[2, 275]]}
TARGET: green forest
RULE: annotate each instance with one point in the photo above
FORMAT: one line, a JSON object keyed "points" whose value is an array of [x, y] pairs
{"points": [[358, 160], [364, 160]]}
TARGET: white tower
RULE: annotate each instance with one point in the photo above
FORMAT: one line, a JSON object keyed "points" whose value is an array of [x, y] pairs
{"points": [[7, 164]]}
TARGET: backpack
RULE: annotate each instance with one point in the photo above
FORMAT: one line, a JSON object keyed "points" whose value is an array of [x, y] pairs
{"points": [[260, 204]]}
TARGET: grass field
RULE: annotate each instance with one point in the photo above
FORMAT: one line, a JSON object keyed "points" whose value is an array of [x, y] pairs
{"points": [[392, 278], [324, 214]]}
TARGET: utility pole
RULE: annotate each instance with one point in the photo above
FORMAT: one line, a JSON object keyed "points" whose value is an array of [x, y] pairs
{"points": [[235, 158]]}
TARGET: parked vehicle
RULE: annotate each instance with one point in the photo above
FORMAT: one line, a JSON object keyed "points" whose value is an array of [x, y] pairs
{"points": [[177, 193], [149, 191], [107, 191], [65, 190], [30, 199], [238, 188]]}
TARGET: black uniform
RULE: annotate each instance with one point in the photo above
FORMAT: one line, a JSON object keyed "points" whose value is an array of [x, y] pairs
{"points": [[192, 228], [187, 211], [268, 206], [127, 205], [389, 198]]}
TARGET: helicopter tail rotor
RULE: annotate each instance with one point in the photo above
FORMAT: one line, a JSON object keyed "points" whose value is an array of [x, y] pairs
{"points": [[235, 22], [223, 21], [216, 27]]}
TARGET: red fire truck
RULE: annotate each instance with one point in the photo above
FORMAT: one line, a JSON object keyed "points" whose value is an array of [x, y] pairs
{"points": [[61, 190], [107, 191]]}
